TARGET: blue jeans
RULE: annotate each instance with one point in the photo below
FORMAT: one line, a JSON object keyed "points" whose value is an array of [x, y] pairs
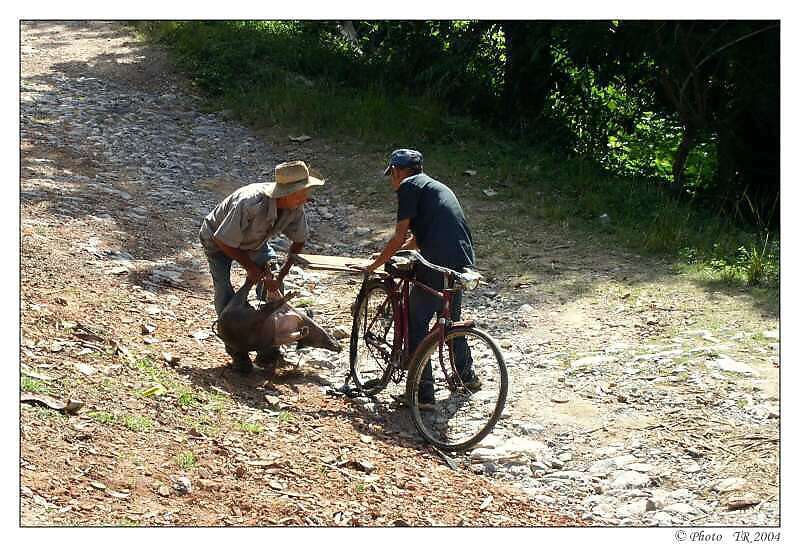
{"points": [[423, 307], [220, 266]]}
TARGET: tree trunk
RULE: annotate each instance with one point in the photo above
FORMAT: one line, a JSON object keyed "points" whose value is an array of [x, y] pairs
{"points": [[528, 68], [679, 163]]}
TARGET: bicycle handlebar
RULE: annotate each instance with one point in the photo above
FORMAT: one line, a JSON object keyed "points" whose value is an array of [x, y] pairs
{"points": [[469, 279]]}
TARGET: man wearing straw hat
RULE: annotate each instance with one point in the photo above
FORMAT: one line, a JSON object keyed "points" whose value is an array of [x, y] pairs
{"points": [[240, 227]]}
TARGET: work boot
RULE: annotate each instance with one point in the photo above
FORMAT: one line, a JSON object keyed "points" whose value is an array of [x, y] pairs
{"points": [[241, 363], [268, 358]]}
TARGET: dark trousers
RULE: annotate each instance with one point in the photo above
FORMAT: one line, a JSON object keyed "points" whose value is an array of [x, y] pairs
{"points": [[423, 307]]}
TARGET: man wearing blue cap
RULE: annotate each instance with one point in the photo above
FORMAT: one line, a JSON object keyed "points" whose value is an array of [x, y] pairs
{"points": [[439, 230]]}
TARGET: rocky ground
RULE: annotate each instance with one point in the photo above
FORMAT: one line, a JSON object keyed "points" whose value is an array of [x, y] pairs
{"points": [[639, 396]]}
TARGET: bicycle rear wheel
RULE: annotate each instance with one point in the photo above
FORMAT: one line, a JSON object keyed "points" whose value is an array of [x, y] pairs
{"points": [[372, 338], [461, 415]]}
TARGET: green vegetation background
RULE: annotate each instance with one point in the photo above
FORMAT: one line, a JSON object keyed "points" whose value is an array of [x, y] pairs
{"points": [[592, 155]]}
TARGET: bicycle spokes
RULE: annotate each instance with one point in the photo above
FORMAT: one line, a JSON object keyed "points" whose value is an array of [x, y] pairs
{"points": [[372, 342], [469, 384]]}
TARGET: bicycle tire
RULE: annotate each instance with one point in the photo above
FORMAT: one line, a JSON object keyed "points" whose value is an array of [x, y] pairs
{"points": [[499, 377], [368, 384]]}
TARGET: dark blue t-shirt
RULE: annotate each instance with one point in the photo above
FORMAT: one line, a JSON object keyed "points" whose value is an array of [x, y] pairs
{"points": [[437, 221]]}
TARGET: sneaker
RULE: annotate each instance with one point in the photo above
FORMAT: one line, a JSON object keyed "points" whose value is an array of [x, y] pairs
{"points": [[242, 364], [472, 383]]}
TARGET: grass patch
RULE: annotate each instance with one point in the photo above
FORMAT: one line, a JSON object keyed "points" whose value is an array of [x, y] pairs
{"points": [[250, 427], [216, 402], [186, 460], [49, 414], [32, 385], [187, 399], [102, 417], [202, 426], [138, 424]]}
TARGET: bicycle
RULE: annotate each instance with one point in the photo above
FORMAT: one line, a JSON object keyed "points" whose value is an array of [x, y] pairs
{"points": [[380, 353]]}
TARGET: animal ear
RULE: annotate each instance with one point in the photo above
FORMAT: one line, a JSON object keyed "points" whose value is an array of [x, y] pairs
{"points": [[292, 336]]}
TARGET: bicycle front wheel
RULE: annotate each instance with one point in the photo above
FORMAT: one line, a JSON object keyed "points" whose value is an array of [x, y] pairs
{"points": [[469, 383], [372, 338]]}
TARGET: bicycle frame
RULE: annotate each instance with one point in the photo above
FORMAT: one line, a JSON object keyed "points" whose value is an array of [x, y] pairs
{"points": [[399, 290]]}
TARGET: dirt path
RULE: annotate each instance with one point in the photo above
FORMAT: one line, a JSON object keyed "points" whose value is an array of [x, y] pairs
{"points": [[666, 386]]}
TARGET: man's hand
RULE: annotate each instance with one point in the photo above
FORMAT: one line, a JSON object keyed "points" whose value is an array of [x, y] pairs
{"points": [[255, 273]]}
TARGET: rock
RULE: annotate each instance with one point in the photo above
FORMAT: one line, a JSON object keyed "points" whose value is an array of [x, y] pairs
{"points": [[85, 369], [603, 510], [604, 467], [662, 518], [771, 334], [521, 445], [182, 485], [682, 509], [544, 500], [630, 479], [607, 451], [569, 475], [726, 364], [730, 484], [527, 428], [604, 219], [740, 501], [586, 362], [340, 333], [691, 467], [539, 466], [555, 463], [640, 467], [764, 411], [164, 490], [526, 308], [634, 508]]}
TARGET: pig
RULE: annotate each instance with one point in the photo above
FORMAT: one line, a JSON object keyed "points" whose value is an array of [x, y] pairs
{"points": [[245, 328]]}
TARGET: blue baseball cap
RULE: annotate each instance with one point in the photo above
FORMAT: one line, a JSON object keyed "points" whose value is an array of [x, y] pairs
{"points": [[404, 158]]}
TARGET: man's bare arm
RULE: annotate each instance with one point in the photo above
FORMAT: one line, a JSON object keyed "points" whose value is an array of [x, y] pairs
{"points": [[394, 244], [410, 244], [295, 248]]}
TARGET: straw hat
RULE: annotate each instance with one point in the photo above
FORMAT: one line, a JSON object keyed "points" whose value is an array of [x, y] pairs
{"points": [[291, 177]]}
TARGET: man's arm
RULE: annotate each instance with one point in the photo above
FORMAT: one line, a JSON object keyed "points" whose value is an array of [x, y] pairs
{"points": [[254, 272], [394, 245], [296, 248], [410, 244]]}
